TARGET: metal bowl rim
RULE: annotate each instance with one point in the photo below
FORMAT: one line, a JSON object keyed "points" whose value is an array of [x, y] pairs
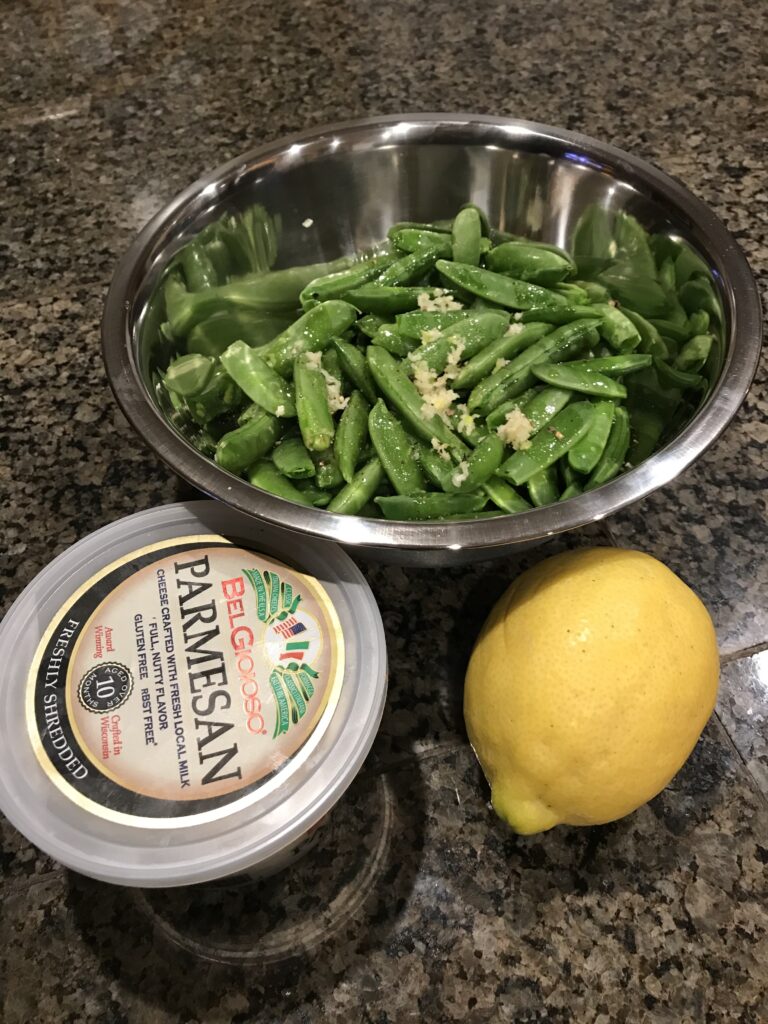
{"points": [[739, 368]]}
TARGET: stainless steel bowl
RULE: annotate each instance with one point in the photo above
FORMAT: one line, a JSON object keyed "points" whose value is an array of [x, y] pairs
{"points": [[354, 180]]}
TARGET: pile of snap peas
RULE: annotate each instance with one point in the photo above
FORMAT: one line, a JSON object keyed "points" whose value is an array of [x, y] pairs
{"points": [[453, 371]]}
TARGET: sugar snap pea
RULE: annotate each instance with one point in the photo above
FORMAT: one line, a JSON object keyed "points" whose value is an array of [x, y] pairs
{"points": [[504, 496], [516, 339], [568, 474], [311, 392], [389, 337], [506, 291], [478, 467], [545, 405], [546, 447], [479, 304], [440, 227], [355, 367], [485, 226], [542, 487], [241, 447], [387, 300], [413, 324], [614, 366], [617, 329], [650, 405], [351, 435], [572, 292], [331, 363], [292, 459], [612, 459], [573, 490], [584, 380], [437, 470], [529, 263], [327, 471], [557, 314], [409, 269], [393, 447], [358, 492], [369, 324], [335, 285], [315, 495], [586, 453], [312, 332], [412, 239], [266, 476], [469, 428], [465, 236], [257, 380]]}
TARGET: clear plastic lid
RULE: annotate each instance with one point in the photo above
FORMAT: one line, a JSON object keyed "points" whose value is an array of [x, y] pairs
{"points": [[186, 693]]}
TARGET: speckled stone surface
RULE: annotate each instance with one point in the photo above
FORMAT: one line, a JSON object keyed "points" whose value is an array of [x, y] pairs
{"points": [[416, 904]]}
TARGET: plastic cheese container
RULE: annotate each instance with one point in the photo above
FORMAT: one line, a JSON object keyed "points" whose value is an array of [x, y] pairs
{"points": [[186, 693]]}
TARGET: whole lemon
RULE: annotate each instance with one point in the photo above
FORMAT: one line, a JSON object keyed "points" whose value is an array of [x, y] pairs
{"points": [[588, 687]]}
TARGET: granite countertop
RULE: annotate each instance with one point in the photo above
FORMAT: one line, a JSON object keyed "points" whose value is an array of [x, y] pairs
{"points": [[416, 903]]}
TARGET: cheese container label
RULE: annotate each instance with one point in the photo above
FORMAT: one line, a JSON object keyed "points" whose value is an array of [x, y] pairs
{"points": [[181, 678]]}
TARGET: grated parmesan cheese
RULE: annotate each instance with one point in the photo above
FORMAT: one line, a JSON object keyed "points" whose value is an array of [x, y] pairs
{"points": [[441, 302], [312, 360], [438, 397], [460, 474], [336, 401], [430, 334], [466, 421], [518, 317], [454, 358], [307, 223], [516, 430], [500, 364], [441, 448], [280, 410], [515, 328]]}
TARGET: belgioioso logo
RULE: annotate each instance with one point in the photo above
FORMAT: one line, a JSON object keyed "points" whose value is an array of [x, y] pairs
{"points": [[105, 687], [293, 684]]}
